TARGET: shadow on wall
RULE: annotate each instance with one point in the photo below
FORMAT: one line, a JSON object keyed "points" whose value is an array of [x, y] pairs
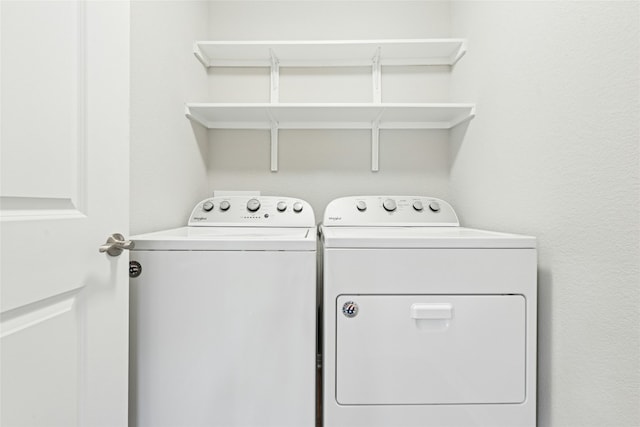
{"points": [[545, 298], [418, 152], [456, 138], [202, 139]]}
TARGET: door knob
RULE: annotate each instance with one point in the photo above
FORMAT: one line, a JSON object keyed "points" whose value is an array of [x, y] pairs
{"points": [[116, 244]]}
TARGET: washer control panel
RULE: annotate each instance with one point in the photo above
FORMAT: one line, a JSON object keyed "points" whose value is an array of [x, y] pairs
{"points": [[416, 211], [258, 211]]}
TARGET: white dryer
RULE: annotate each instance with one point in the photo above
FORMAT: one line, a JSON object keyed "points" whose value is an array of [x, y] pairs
{"points": [[426, 323], [223, 317]]}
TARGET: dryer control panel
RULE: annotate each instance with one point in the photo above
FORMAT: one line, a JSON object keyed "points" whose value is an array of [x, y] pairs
{"points": [[389, 211], [253, 211]]}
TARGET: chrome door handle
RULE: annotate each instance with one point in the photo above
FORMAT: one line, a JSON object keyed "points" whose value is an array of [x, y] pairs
{"points": [[116, 244]]}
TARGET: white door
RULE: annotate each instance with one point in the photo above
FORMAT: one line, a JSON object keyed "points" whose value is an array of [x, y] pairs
{"points": [[64, 189]]}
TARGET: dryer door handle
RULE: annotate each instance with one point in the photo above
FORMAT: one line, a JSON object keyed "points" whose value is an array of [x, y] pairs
{"points": [[437, 311]]}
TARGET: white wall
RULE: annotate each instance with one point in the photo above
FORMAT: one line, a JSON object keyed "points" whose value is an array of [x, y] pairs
{"points": [[168, 154], [322, 165], [553, 152]]}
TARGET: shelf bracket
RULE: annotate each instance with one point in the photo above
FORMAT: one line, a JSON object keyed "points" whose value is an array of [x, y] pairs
{"points": [[455, 57], [375, 142], [274, 146], [375, 146], [204, 60], [376, 69], [275, 77]]}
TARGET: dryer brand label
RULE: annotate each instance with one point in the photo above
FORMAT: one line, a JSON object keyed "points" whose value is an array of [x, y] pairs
{"points": [[350, 309]]}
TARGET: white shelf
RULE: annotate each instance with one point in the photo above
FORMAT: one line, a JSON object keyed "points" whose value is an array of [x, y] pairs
{"points": [[329, 53], [329, 116]]}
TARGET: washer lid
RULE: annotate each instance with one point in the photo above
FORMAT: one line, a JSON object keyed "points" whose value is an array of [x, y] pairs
{"points": [[421, 237], [229, 239]]}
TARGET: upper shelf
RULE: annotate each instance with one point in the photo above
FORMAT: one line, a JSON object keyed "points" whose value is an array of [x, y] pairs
{"points": [[330, 116], [329, 53]]}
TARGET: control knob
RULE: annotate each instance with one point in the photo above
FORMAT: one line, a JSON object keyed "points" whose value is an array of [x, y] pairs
{"points": [[224, 205], [253, 205], [282, 206], [389, 205], [434, 206], [361, 205], [417, 205], [207, 206], [297, 207]]}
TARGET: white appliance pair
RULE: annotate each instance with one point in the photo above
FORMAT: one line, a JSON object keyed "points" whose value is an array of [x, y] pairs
{"points": [[425, 323]]}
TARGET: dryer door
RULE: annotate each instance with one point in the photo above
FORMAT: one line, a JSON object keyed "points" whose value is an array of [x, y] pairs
{"points": [[430, 349]]}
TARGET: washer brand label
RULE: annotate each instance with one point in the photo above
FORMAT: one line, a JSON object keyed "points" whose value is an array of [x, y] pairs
{"points": [[335, 218], [135, 269], [350, 309], [199, 218]]}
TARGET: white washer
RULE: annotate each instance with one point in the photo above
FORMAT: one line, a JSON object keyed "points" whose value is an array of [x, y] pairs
{"points": [[223, 317], [425, 323]]}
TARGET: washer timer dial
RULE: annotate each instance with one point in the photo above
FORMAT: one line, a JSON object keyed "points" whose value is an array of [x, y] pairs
{"points": [[253, 205]]}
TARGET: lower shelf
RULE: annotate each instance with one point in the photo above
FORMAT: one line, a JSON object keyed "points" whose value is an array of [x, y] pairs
{"points": [[329, 116]]}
